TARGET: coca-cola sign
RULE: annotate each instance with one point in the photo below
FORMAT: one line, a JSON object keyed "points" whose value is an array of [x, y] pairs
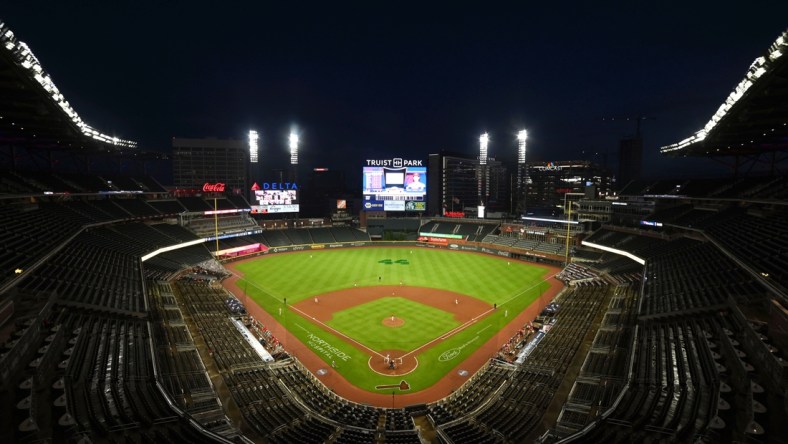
{"points": [[217, 187]]}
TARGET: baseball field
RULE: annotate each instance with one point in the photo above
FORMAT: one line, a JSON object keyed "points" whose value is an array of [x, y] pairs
{"points": [[392, 319]]}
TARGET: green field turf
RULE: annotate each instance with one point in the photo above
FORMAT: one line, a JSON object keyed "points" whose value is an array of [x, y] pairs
{"points": [[364, 323], [512, 285]]}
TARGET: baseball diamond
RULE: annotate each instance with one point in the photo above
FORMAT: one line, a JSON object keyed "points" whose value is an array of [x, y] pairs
{"points": [[383, 315]]}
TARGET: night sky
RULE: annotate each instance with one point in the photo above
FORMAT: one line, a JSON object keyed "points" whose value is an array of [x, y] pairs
{"points": [[398, 79]]}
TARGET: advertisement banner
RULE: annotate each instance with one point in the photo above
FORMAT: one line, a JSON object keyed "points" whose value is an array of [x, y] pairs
{"points": [[394, 205], [274, 209], [373, 205], [415, 206]]}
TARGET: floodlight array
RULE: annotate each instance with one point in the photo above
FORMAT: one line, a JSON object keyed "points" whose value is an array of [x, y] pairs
{"points": [[293, 149], [253, 150], [483, 140], [521, 136], [758, 68], [25, 58]]}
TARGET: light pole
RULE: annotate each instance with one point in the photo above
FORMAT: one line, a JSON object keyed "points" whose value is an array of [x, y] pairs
{"points": [[284, 324], [568, 224], [522, 176], [294, 163], [480, 180]]}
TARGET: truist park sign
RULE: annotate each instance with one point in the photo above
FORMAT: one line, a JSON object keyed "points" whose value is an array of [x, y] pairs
{"points": [[396, 162]]}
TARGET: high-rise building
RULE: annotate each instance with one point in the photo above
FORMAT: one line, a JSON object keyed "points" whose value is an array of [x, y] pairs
{"points": [[322, 190], [630, 160], [549, 181], [459, 190], [196, 162]]}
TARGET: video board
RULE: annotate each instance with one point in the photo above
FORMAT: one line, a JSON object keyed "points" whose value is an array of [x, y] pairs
{"points": [[274, 201], [395, 188]]}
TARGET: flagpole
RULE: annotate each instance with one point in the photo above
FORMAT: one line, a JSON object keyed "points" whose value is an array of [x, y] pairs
{"points": [[216, 224]]}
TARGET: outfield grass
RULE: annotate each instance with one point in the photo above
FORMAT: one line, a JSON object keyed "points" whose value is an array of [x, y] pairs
{"points": [[302, 275], [512, 285], [364, 323]]}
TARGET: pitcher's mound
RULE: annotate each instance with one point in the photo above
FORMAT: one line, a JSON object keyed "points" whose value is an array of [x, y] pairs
{"points": [[393, 321]]}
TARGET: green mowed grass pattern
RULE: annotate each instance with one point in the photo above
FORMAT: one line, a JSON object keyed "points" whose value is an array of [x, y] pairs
{"points": [[364, 323], [297, 276], [512, 285]]}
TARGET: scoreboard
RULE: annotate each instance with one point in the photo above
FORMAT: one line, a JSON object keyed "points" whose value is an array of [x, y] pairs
{"points": [[271, 201], [395, 188]]}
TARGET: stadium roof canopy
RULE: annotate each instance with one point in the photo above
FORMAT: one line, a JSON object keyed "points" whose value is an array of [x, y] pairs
{"points": [[753, 120], [35, 115]]}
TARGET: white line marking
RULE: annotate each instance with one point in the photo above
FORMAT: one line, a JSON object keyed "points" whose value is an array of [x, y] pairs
{"points": [[485, 328], [473, 320], [336, 332]]}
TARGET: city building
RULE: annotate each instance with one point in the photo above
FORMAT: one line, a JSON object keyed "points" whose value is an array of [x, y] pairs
{"points": [[464, 184], [548, 182], [630, 160], [325, 193], [196, 162]]}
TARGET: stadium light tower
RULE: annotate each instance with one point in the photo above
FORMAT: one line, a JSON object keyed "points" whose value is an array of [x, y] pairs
{"points": [[483, 140], [483, 172], [521, 136], [522, 180], [293, 149], [253, 137]]}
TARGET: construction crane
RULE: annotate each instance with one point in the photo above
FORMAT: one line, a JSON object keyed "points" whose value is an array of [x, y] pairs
{"points": [[637, 121], [597, 154]]}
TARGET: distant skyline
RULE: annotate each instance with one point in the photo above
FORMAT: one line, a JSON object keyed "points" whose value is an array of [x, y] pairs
{"points": [[398, 80]]}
